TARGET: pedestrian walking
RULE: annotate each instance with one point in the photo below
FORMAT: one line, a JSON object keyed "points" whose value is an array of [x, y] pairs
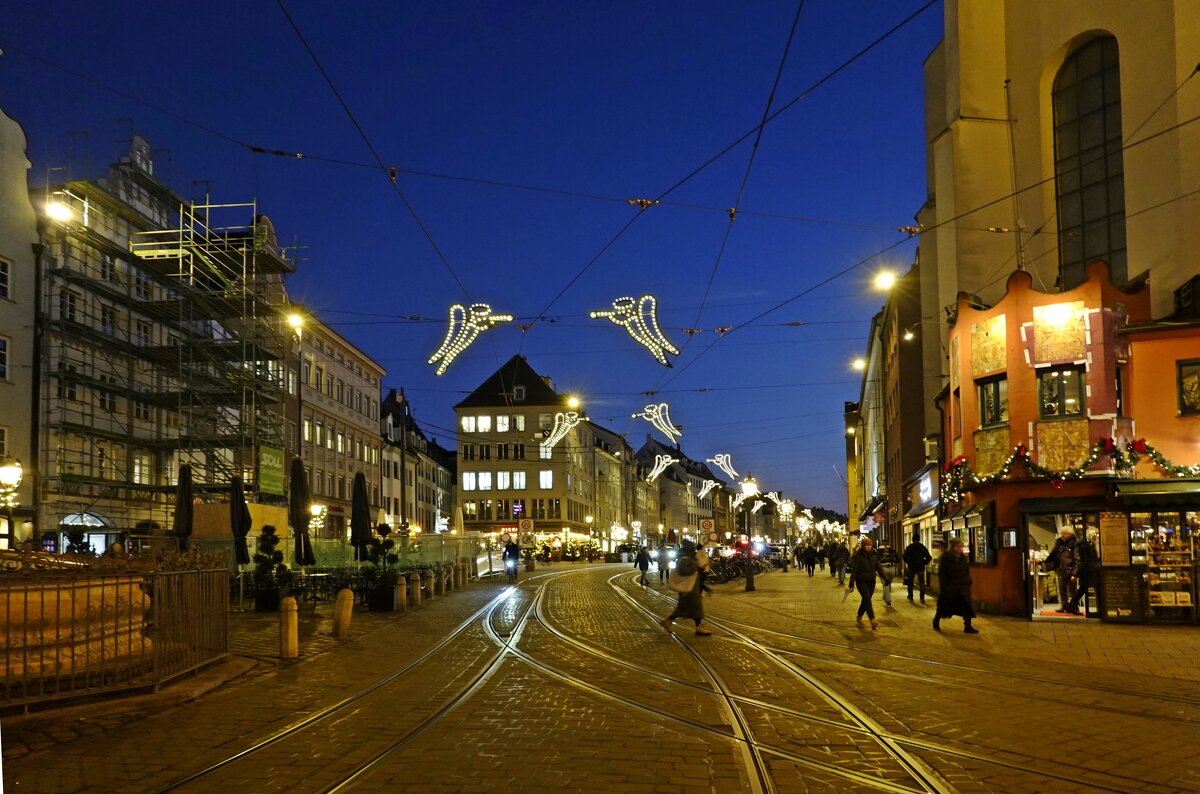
{"points": [[703, 566], [916, 559], [664, 563], [642, 561], [1064, 560], [890, 560], [810, 559], [954, 584], [821, 556], [865, 565], [685, 580], [838, 561], [1089, 569], [798, 555], [830, 551]]}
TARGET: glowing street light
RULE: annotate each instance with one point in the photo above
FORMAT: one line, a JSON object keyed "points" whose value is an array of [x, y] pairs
{"points": [[885, 280], [11, 474], [859, 364]]}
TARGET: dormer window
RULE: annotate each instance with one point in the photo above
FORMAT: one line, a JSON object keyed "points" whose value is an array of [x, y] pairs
{"points": [[518, 393]]}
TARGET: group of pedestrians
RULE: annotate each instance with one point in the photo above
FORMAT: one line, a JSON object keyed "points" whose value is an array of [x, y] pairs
{"points": [[868, 565]]}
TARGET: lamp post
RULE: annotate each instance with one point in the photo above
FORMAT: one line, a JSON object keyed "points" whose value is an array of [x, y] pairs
{"points": [[296, 322], [10, 480], [749, 488]]}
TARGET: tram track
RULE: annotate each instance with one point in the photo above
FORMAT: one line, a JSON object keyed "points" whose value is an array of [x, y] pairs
{"points": [[334, 711], [878, 732]]}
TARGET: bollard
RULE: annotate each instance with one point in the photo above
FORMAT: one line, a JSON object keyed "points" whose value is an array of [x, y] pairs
{"points": [[414, 589], [461, 568], [289, 629], [749, 574], [449, 575], [342, 611], [439, 582], [429, 585], [402, 595]]}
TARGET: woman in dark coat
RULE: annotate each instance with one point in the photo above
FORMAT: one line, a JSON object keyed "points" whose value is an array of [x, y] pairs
{"points": [[690, 604], [954, 596], [864, 566]]}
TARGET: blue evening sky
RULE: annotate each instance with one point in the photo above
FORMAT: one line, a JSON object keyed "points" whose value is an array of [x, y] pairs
{"points": [[591, 103]]}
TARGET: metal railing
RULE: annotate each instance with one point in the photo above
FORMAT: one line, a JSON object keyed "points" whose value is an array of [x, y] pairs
{"points": [[69, 633]]}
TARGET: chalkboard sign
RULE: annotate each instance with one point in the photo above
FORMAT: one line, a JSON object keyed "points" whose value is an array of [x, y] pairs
{"points": [[1122, 599]]}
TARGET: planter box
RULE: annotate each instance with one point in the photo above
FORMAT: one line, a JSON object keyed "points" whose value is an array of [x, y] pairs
{"points": [[382, 598]]}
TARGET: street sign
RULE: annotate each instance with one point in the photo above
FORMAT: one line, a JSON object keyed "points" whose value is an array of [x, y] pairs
{"points": [[713, 537], [707, 525], [525, 525], [506, 537]]}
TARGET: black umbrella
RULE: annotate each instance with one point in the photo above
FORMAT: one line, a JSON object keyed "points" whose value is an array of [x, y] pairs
{"points": [[239, 520], [360, 517], [182, 526], [298, 514]]}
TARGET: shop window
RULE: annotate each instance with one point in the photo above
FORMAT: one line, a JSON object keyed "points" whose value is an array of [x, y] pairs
{"points": [[1060, 393], [1189, 387], [993, 402]]}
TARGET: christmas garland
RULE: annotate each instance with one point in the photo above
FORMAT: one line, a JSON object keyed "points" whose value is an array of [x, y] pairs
{"points": [[958, 474]]}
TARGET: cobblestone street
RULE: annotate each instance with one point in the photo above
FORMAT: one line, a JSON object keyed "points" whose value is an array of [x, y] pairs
{"points": [[567, 683]]}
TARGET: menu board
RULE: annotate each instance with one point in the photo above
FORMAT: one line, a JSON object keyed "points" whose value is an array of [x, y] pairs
{"points": [[1121, 599], [1114, 539]]}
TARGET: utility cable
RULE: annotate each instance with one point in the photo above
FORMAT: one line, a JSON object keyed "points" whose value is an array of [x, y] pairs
{"points": [[378, 160]]}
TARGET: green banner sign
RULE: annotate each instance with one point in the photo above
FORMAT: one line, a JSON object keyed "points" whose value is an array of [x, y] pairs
{"points": [[270, 470]]}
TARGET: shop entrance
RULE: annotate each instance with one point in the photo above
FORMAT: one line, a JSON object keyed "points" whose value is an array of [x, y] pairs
{"points": [[1050, 589]]}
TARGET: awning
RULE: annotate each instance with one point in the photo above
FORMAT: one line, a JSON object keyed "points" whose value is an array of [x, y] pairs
{"points": [[873, 505], [1063, 504], [920, 510], [1159, 493]]}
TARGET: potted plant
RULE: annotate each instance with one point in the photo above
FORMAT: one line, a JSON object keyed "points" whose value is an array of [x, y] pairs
{"points": [[382, 571], [271, 575]]}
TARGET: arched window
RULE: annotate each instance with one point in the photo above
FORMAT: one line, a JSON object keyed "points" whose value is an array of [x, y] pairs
{"points": [[1088, 162]]}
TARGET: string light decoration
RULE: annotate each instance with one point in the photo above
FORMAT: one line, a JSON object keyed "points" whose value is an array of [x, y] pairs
{"points": [[723, 461], [758, 505], [659, 416], [563, 422], [787, 508], [1124, 456], [465, 326], [661, 462], [708, 486], [639, 318], [774, 497]]}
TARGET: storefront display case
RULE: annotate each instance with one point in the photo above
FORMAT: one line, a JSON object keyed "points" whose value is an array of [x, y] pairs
{"points": [[1165, 543]]}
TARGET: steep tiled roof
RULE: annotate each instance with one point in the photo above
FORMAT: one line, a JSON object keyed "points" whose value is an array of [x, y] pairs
{"points": [[498, 388]]}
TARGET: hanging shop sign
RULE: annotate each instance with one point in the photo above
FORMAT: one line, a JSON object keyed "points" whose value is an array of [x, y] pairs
{"points": [[270, 470]]}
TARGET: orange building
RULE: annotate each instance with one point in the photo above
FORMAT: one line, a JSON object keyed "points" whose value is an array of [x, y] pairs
{"points": [[1074, 411]]}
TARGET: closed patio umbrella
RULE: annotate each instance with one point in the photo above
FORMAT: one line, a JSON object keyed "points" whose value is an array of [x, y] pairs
{"points": [[239, 520], [298, 514], [181, 528], [360, 517]]}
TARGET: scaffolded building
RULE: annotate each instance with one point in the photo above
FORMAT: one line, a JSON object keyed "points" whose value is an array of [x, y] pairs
{"points": [[160, 345]]}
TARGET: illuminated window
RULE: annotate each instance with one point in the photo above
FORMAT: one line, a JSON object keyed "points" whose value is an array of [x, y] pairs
{"points": [[993, 402], [503, 480], [484, 424], [546, 479], [1060, 393], [468, 481], [518, 480], [468, 424], [502, 424], [485, 481]]}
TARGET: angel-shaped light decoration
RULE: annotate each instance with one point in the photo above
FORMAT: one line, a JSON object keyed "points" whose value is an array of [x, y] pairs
{"points": [[661, 462], [722, 462], [465, 325], [758, 505], [786, 508], [639, 318], [659, 416], [737, 500], [773, 496], [563, 422], [708, 486]]}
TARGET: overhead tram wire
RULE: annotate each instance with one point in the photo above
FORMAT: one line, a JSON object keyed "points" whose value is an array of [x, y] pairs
{"points": [[371, 147], [949, 221], [732, 145]]}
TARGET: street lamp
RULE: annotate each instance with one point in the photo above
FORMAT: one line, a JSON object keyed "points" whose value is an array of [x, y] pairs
{"points": [[10, 480], [296, 321], [749, 488]]}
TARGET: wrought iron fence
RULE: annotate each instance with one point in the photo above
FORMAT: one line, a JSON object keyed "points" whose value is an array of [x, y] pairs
{"points": [[72, 629]]}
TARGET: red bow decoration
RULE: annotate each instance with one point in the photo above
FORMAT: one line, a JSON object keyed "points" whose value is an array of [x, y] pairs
{"points": [[1107, 444], [1140, 447], [1021, 450], [1057, 483]]}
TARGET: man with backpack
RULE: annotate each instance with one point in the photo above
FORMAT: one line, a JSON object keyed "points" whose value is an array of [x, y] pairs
{"points": [[916, 559]]}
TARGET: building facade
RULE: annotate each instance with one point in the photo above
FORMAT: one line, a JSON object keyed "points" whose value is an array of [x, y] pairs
{"points": [[18, 298], [417, 474]]}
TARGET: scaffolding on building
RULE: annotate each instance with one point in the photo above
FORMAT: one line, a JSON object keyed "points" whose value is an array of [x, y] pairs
{"points": [[162, 345]]}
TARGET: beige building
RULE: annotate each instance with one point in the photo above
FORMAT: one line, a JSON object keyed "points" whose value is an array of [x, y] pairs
{"points": [[339, 424], [18, 298]]}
